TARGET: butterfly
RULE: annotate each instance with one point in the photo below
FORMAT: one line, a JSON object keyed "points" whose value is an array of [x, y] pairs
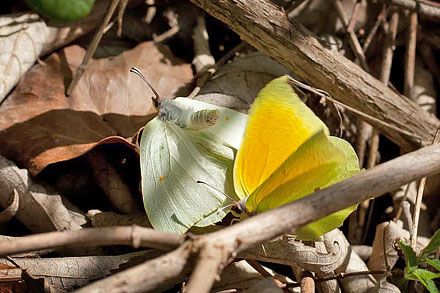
{"points": [[286, 154], [189, 141]]}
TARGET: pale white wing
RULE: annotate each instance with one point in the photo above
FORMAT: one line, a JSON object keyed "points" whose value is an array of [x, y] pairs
{"points": [[172, 161]]}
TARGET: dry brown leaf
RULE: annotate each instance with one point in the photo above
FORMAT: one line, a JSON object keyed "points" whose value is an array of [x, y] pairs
{"points": [[25, 37], [70, 272], [285, 250], [236, 84], [267, 285], [11, 210], [241, 275], [335, 241], [40, 126], [393, 231], [39, 209], [109, 219]]}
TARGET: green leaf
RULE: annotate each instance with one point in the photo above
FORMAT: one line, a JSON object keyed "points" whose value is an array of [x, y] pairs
{"points": [[432, 246], [419, 274], [425, 277], [62, 10], [430, 285], [410, 255], [434, 262]]}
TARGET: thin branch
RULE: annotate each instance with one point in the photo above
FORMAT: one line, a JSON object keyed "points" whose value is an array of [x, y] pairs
{"points": [[354, 16], [410, 56], [380, 18], [212, 259], [351, 274], [354, 42], [425, 8], [92, 47], [125, 235], [419, 197]]}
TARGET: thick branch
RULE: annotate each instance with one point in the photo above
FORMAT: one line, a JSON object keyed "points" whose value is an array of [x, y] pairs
{"points": [[266, 226], [267, 27], [125, 235]]}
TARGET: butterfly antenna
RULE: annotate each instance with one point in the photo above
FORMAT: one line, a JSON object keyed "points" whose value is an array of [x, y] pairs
{"points": [[156, 101], [215, 188]]}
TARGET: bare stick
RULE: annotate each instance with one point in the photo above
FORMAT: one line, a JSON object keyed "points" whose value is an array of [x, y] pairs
{"points": [[267, 27], [425, 8], [92, 47], [416, 216], [124, 235], [354, 17], [387, 59], [204, 62], [207, 268], [410, 56], [120, 16], [354, 42], [260, 228], [380, 18], [159, 273]]}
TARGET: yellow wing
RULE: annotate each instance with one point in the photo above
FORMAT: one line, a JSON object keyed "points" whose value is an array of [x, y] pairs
{"points": [[321, 161], [278, 123]]}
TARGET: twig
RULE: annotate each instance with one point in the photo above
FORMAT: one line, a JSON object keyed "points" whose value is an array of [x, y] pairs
{"points": [[380, 18], [387, 59], [406, 208], [225, 243], [354, 42], [259, 268], [399, 210], [354, 16], [346, 275], [384, 246], [121, 11], [210, 262], [92, 47], [410, 56], [366, 117], [204, 62], [124, 235], [357, 49], [416, 215], [425, 8], [419, 197], [266, 27]]}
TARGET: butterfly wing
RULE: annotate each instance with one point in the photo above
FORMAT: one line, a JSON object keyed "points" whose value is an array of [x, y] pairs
{"points": [[278, 123], [319, 162], [172, 161]]}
